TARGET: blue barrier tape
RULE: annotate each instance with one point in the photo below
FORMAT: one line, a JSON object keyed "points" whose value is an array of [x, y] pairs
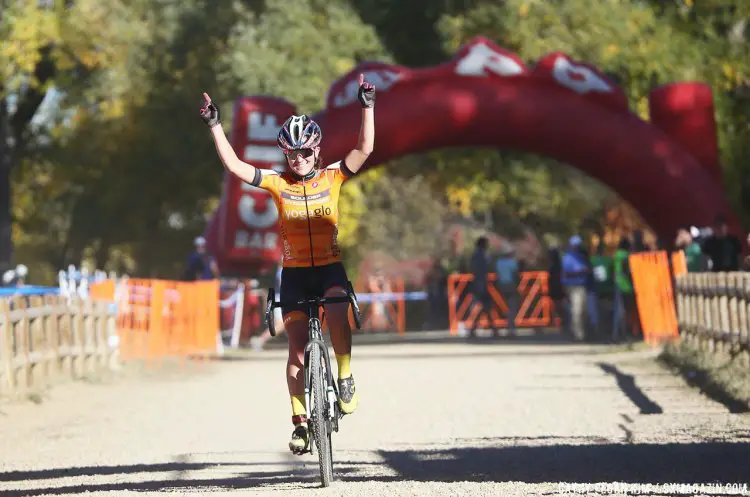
{"points": [[380, 297], [29, 290]]}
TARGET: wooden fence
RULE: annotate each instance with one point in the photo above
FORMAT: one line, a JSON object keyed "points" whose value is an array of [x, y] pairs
{"points": [[44, 339], [713, 311], [47, 338]]}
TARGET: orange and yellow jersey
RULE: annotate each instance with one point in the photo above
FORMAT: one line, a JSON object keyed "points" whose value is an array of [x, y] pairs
{"points": [[308, 213]]}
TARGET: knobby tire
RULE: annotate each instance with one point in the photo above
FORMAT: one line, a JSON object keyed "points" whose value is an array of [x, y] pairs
{"points": [[320, 426]]}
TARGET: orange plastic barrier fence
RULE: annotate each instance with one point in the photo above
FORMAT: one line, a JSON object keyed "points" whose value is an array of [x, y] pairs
{"points": [[534, 309], [652, 282], [679, 263], [381, 314], [158, 319], [103, 290]]}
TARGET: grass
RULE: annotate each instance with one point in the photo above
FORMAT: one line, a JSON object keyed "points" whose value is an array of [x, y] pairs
{"points": [[721, 376]]}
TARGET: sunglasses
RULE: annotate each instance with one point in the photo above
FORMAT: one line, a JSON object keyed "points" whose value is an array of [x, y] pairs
{"points": [[306, 153]]}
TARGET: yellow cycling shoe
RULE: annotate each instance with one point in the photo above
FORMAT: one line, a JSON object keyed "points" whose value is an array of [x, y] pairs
{"points": [[300, 439]]}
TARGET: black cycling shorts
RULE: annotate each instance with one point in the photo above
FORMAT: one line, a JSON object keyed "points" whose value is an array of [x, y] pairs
{"points": [[299, 283]]}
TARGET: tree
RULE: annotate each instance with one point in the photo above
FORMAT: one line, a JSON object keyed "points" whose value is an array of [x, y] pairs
{"points": [[404, 218], [47, 48], [296, 49]]}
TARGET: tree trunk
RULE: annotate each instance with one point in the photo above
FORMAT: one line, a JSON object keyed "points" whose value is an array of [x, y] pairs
{"points": [[6, 222]]}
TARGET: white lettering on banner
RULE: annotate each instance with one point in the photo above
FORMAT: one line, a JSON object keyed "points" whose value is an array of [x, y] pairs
{"points": [[481, 58], [580, 79], [383, 79], [241, 239], [260, 220], [258, 241], [262, 153], [270, 241], [262, 127]]}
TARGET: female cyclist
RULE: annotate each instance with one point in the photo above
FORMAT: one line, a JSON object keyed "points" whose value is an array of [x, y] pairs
{"points": [[307, 200]]}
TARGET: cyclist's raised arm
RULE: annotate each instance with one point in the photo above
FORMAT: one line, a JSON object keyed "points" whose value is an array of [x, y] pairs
{"points": [[210, 115], [357, 157]]}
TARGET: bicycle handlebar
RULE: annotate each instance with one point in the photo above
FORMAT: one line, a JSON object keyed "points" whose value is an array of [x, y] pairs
{"points": [[350, 298], [312, 301]]}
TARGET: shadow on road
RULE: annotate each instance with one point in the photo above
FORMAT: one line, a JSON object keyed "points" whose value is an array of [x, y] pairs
{"points": [[598, 462], [48, 474], [243, 477], [643, 463], [628, 386]]}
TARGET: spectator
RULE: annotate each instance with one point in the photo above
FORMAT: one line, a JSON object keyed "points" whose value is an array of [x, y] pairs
{"points": [[604, 277], [15, 277], [508, 278], [437, 296], [722, 248], [592, 293], [693, 254], [575, 273], [201, 265], [625, 314], [480, 265], [378, 284], [639, 244], [556, 290]]}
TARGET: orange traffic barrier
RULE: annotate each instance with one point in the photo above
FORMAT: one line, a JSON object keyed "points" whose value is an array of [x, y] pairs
{"points": [[385, 313], [534, 309], [157, 319], [652, 283], [103, 290], [679, 263]]}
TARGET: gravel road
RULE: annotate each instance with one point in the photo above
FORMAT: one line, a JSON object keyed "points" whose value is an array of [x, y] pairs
{"points": [[437, 416]]}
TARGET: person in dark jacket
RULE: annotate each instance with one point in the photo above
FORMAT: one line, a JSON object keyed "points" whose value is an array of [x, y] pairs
{"points": [[480, 268]]}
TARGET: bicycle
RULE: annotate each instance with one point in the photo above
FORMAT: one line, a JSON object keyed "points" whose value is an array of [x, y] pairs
{"points": [[323, 413]]}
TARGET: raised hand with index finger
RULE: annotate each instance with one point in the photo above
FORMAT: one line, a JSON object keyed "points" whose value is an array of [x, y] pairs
{"points": [[366, 93], [209, 112]]}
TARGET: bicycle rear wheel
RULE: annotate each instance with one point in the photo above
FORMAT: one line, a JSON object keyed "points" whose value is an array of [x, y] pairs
{"points": [[321, 433]]}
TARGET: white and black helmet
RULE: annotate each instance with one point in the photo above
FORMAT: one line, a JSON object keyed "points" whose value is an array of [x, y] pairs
{"points": [[299, 132]]}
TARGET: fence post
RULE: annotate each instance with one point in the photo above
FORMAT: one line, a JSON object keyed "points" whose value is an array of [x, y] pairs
{"points": [[715, 312], [734, 325], [723, 302], [8, 346], [745, 317]]}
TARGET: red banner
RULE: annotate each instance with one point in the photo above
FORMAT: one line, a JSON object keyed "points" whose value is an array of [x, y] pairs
{"points": [[244, 233]]}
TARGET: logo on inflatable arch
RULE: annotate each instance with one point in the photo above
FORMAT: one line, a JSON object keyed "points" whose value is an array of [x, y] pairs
{"points": [[486, 96]]}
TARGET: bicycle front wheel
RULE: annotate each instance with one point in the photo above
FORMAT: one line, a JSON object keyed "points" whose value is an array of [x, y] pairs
{"points": [[321, 434]]}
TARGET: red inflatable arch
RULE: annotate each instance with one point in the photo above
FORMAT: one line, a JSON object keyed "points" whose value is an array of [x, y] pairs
{"points": [[668, 169]]}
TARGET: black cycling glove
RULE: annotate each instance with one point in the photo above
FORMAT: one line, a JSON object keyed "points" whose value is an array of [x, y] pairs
{"points": [[366, 95], [210, 112]]}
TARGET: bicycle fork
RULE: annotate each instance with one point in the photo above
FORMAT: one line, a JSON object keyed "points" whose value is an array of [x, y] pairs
{"points": [[331, 390]]}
